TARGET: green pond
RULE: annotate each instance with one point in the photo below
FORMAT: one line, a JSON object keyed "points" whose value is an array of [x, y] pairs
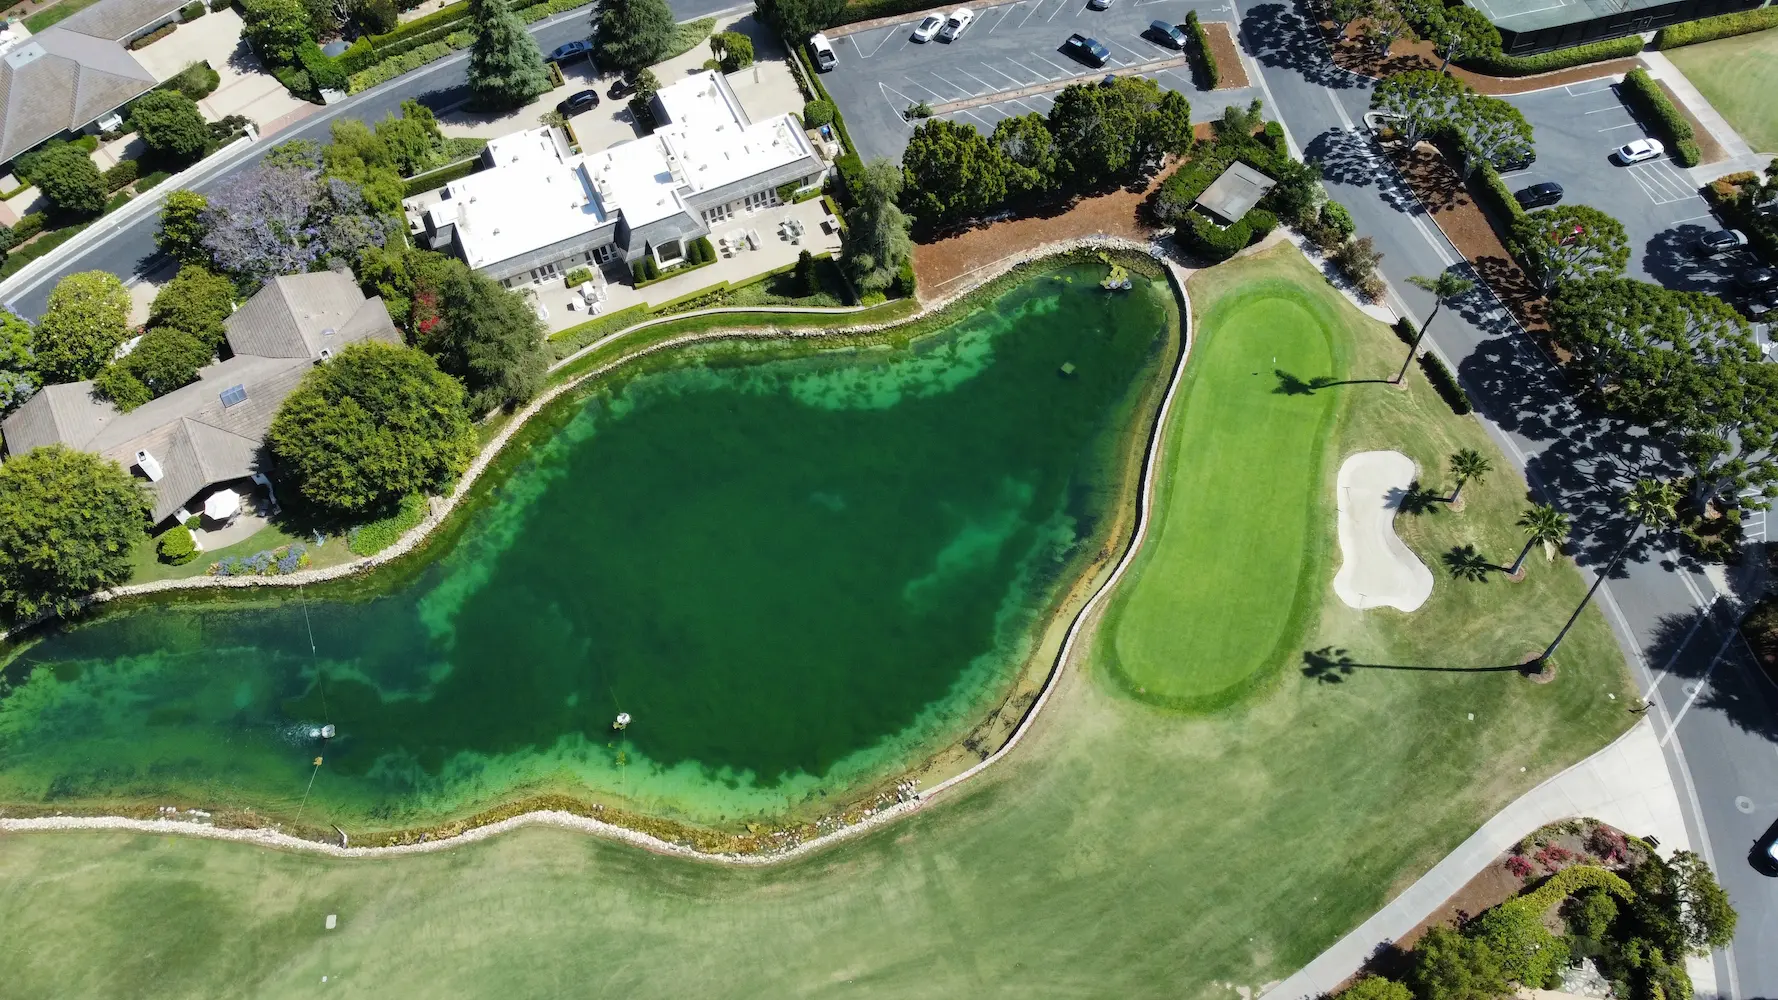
{"points": [[798, 570]]}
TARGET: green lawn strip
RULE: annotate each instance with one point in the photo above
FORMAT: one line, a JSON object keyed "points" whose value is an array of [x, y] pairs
{"points": [[1122, 850], [148, 566], [1738, 76], [53, 15], [1242, 516]]}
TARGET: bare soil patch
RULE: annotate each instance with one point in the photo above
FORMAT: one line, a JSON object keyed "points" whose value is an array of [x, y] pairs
{"points": [[1228, 58], [941, 262], [1458, 212], [1352, 52]]}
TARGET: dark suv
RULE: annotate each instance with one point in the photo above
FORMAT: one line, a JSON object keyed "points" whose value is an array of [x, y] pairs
{"points": [[583, 101], [1539, 195], [1088, 50]]}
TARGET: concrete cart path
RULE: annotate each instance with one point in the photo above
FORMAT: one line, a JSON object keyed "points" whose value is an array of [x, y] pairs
{"points": [[1376, 567], [1626, 785]]}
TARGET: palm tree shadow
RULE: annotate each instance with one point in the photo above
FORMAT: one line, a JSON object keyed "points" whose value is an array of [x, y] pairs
{"points": [[1465, 563], [1332, 665], [1415, 499], [1291, 385]]}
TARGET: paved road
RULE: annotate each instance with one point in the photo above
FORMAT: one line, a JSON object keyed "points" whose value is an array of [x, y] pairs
{"points": [[1716, 715], [439, 85]]}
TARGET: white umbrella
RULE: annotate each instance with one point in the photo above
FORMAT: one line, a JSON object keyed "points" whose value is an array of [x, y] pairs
{"points": [[222, 505]]}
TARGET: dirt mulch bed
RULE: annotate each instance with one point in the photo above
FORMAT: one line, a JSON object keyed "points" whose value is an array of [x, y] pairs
{"points": [[1353, 53], [940, 263], [1228, 58], [1454, 206], [1710, 151]]}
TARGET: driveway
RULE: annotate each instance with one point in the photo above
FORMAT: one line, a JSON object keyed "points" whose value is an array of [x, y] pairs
{"points": [[1577, 127], [1010, 48], [246, 88]]}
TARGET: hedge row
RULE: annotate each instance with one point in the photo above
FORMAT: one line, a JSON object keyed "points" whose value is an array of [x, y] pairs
{"points": [[441, 176], [1646, 94], [407, 62], [1204, 238], [1446, 384], [1721, 26], [1725, 195], [153, 36], [1501, 64], [1502, 196], [1201, 44], [410, 53]]}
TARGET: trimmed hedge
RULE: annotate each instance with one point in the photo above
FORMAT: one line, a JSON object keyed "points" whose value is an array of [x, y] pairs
{"points": [[324, 71], [359, 56], [447, 15], [192, 11], [1501, 64], [1721, 26], [1446, 384], [440, 176], [1405, 331], [153, 36], [1203, 237], [121, 175], [1646, 94], [1496, 189], [1201, 48]]}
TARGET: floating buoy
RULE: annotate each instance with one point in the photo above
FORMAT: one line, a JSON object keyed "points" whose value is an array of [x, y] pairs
{"points": [[623, 719], [1067, 369], [327, 732]]}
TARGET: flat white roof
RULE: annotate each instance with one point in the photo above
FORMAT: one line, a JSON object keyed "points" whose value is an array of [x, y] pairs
{"points": [[534, 195], [636, 179]]}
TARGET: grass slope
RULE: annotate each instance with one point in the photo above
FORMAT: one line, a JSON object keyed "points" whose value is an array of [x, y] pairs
{"points": [[1124, 850], [1738, 76], [1240, 526]]}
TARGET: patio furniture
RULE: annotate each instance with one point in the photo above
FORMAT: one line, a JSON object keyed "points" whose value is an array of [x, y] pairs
{"points": [[223, 505]]}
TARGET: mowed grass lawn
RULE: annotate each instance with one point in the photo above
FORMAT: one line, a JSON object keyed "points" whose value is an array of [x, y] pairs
{"points": [[1739, 77], [1125, 850]]}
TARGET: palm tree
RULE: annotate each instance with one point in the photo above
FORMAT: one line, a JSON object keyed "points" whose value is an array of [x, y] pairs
{"points": [[1465, 563], [1542, 523], [1444, 286], [1651, 503], [1468, 466]]}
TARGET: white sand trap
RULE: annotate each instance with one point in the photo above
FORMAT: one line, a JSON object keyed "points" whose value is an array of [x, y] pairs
{"points": [[1377, 567]]}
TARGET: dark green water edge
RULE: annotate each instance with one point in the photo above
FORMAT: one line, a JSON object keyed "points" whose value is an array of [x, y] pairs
{"points": [[800, 566]]}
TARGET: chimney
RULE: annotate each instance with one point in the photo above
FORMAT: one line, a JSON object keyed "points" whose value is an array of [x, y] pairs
{"points": [[150, 466]]}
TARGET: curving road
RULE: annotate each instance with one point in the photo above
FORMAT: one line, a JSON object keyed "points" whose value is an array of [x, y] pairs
{"points": [[440, 85], [1715, 712]]}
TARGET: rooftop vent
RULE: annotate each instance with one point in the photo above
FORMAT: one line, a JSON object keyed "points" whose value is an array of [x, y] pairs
{"points": [[233, 395], [326, 353], [327, 332], [150, 466]]}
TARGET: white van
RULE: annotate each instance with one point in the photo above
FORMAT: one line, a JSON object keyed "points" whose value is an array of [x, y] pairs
{"points": [[823, 52]]}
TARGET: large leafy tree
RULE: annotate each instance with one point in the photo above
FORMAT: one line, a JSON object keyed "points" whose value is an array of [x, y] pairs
{"points": [[505, 67], [360, 156], [163, 360], [274, 220], [631, 35], [1108, 132], [68, 521], [1420, 100], [276, 28], [953, 173], [85, 320], [1451, 966], [876, 243], [18, 362], [1464, 32], [490, 339], [1492, 131], [182, 229], [1387, 24], [1343, 12], [800, 18], [409, 280], [171, 125], [195, 302], [372, 425], [412, 139], [1028, 153], [1571, 242], [67, 177]]}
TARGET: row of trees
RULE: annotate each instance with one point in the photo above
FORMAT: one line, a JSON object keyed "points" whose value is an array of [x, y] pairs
{"points": [[1095, 135], [1425, 104], [1457, 32], [172, 128]]}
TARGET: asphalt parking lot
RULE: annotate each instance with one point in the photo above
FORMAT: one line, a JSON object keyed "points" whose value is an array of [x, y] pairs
{"points": [[1009, 49], [1577, 127]]}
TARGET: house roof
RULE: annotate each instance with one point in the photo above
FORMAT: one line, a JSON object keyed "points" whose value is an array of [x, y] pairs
{"points": [[1234, 194], [195, 436], [72, 73]]}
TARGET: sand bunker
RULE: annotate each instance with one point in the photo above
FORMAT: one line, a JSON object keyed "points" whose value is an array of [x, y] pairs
{"points": [[1377, 568]]}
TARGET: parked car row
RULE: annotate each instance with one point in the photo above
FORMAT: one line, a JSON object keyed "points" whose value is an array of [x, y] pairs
{"points": [[950, 27]]}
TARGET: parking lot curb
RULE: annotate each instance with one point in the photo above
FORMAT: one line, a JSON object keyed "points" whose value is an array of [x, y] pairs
{"points": [[1057, 84], [842, 30]]}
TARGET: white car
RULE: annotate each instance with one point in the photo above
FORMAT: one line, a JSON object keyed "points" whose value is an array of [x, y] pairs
{"points": [[954, 25], [928, 28], [1641, 149]]}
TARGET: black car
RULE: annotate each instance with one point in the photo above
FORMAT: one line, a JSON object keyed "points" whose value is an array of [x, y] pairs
{"points": [[1764, 855], [1088, 50], [1721, 241], [1167, 34], [585, 100], [1757, 279], [1539, 195]]}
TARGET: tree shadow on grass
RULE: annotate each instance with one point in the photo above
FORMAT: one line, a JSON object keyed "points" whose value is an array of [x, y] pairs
{"points": [[1416, 499], [1291, 385], [1333, 664], [1465, 563]]}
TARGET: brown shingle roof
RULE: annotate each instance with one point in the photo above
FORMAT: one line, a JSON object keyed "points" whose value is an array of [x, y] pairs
{"points": [[61, 80]]}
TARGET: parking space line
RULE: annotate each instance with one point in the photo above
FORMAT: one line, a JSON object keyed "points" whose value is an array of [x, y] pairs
{"points": [[1694, 218], [1133, 53], [966, 90], [1614, 128], [1041, 76], [1597, 111], [1060, 9], [1004, 16], [991, 87], [1009, 76], [1571, 92], [880, 43], [1061, 70], [929, 90], [1658, 185], [1035, 7]]}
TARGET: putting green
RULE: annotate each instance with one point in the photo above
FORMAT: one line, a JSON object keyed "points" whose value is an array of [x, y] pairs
{"points": [[1234, 562]]}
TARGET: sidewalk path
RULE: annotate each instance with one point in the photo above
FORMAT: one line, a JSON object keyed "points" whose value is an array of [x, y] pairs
{"points": [[1626, 785], [1662, 69]]}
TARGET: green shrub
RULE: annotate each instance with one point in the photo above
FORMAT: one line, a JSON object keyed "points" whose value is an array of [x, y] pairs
{"points": [[27, 227], [176, 546], [1501, 64], [1721, 26], [1261, 222], [1646, 95], [153, 36], [1201, 49], [192, 11], [651, 268], [87, 143], [1406, 331], [294, 80], [378, 16], [578, 276], [851, 170], [151, 180], [1201, 236], [817, 113], [196, 81], [1445, 383], [375, 536], [407, 62], [434, 179], [359, 56], [734, 49], [1336, 217], [702, 251], [638, 270], [324, 72], [121, 175], [904, 284], [1494, 186], [447, 15]]}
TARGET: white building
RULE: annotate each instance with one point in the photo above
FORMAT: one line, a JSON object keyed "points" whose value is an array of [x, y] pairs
{"points": [[537, 210]]}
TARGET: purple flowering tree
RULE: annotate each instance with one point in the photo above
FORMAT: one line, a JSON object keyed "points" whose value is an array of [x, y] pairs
{"points": [[282, 219]]}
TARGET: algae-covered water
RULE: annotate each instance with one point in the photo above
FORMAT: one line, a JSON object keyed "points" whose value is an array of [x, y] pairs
{"points": [[796, 574]]}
